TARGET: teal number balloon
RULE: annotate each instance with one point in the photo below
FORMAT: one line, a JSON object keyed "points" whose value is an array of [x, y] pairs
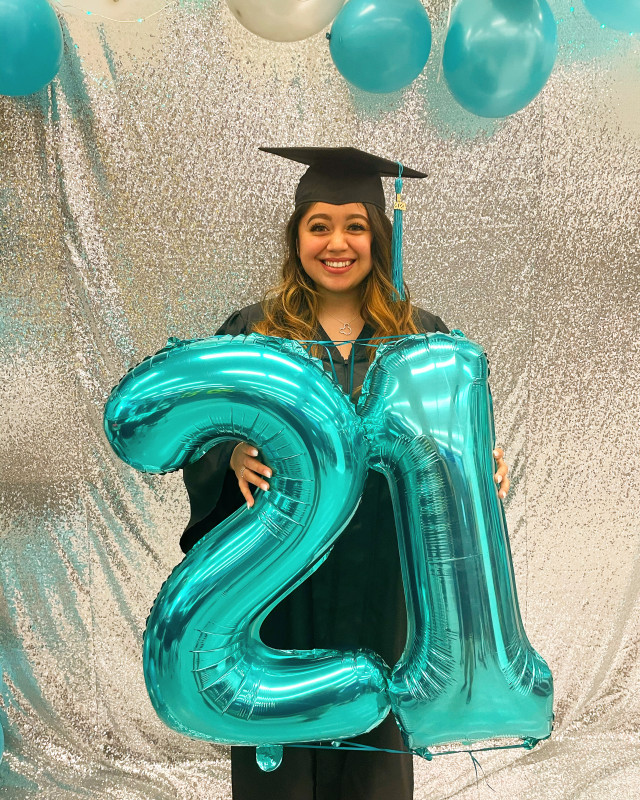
{"points": [[207, 672], [424, 420], [468, 671], [499, 54]]}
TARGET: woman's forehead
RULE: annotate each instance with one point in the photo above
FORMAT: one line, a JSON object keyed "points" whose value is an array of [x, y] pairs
{"points": [[331, 211]]}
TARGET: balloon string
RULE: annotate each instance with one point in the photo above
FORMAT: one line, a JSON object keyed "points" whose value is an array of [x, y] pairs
{"points": [[325, 342], [351, 363], [333, 369], [365, 342], [527, 744], [476, 765], [63, 5]]}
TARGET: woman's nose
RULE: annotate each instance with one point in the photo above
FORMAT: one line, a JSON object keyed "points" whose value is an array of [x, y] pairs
{"points": [[337, 240]]}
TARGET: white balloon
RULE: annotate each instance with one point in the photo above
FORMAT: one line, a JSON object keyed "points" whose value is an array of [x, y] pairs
{"points": [[285, 20], [121, 10]]}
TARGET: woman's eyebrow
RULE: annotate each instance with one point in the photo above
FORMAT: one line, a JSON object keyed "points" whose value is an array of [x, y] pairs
{"points": [[326, 216]]}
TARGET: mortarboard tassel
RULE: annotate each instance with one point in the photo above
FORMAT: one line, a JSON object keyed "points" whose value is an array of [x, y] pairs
{"points": [[396, 241]]}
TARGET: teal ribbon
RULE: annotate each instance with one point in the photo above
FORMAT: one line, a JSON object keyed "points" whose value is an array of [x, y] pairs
{"points": [[366, 342], [527, 744]]}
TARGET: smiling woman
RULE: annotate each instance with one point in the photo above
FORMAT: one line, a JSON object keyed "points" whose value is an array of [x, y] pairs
{"points": [[336, 285], [339, 217]]}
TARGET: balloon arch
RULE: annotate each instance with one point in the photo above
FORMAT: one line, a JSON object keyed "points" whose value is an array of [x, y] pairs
{"points": [[497, 55]]}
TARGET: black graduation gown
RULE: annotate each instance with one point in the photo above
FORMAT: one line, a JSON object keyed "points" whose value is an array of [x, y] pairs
{"points": [[355, 599]]}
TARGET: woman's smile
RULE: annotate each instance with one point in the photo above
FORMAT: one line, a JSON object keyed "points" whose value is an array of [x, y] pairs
{"points": [[338, 266]]}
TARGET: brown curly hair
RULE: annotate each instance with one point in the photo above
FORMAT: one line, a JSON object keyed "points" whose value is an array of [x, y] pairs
{"points": [[291, 307]]}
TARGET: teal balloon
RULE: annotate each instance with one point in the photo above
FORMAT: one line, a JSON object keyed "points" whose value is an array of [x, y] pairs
{"points": [[1, 731], [381, 46], [621, 15], [499, 54], [424, 419], [30, 46], [207, 671], [468, 671]]}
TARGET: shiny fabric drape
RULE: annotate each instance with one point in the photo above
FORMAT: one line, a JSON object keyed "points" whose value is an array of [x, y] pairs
{"points": [[134, 206]]}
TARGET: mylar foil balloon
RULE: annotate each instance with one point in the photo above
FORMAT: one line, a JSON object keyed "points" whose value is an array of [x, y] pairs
{"points": [[284, 20], [381, 46], [424, 420], [468, 671], [621, 15], [498, 54], [30, 46], [207, 672]]}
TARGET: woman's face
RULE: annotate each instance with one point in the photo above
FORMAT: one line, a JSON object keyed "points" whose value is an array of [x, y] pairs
{"points": [[334, 246]]}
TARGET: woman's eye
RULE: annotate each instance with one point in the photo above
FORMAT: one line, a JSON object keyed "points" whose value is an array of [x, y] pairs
{"points": [[357, 226], [317, 226]]}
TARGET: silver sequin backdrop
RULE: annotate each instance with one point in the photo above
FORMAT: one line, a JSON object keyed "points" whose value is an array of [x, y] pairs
{"points": [[134, 206]]}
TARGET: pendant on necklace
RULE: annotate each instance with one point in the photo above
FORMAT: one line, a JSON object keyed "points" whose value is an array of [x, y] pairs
{"points": [[345, 330]]}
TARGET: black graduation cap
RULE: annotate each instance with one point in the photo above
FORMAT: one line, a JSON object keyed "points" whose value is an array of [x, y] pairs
{"points": [[340, 175]]}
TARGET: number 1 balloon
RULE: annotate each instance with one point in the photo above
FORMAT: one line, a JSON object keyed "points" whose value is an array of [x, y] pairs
{"points": [[284, 20], [30, 46], [381, 46], [498, 54], [468, 671]]}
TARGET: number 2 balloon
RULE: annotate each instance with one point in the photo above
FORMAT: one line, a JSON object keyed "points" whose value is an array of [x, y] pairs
{"points": [[424, 420]]}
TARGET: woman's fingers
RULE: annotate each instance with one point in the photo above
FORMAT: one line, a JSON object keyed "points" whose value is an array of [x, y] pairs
{"points": [[251, 476], [249, 470], [501, 474], [246, 492], [258, 468]]}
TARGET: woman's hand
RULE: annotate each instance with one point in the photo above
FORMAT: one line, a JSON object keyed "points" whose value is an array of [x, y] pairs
{"points": [[248, 470], [501, 475]]}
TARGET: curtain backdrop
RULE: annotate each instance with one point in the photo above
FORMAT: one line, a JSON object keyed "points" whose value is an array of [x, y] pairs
{"points": [[134, 206]]}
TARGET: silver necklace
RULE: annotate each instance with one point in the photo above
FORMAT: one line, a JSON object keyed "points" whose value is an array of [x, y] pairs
{"points": [[345, 330]]}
